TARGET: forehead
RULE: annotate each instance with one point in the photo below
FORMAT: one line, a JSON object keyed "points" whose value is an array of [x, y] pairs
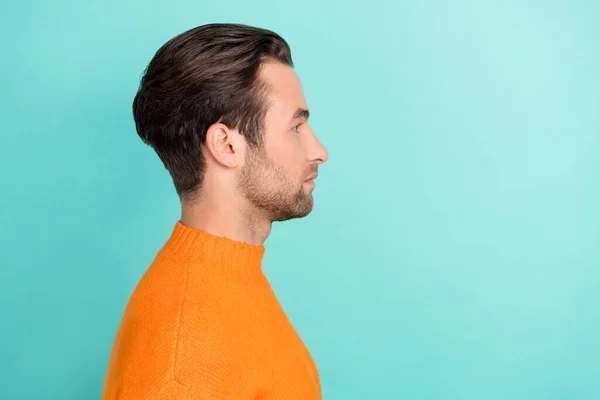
{"points": [[286, 94]]}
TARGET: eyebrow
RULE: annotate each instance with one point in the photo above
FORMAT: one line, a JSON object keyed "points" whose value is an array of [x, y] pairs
{"points": [[300, 113]]}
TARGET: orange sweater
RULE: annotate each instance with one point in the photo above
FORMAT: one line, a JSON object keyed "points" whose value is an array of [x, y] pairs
{"points": [[204, 323]]}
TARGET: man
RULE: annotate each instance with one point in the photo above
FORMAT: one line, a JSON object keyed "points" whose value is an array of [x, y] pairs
{"points": [[225, 111]]}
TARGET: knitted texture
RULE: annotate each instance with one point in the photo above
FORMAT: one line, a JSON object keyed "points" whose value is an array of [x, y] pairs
{"points": [[204, 323]]}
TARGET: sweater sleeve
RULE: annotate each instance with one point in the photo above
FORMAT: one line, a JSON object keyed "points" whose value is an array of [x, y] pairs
{"points": [[211, 388], [204, 368]]}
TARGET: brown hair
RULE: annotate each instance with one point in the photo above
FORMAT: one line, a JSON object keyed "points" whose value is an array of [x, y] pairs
{"points": [[205, 75]]}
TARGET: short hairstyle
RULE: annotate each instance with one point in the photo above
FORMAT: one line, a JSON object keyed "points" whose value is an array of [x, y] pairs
{"points": [[205, 75]]}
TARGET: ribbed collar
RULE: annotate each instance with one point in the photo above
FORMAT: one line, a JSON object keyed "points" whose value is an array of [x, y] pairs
{"points": [[215, 253]]}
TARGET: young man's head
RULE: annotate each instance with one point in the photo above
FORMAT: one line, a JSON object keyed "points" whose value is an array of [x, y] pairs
{"points": [[225, 111]]}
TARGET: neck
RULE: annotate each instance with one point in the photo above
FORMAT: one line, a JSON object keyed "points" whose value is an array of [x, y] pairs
{"points": [[227, 220]]}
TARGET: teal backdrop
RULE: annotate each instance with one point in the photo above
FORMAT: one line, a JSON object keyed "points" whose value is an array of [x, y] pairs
{"points": [[454, 248]]}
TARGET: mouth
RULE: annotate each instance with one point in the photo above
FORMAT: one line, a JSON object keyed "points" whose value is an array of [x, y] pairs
{"points": [[312, 177]]}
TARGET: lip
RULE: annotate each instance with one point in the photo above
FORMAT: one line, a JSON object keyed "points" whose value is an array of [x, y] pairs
{"points": [[312, 178]]}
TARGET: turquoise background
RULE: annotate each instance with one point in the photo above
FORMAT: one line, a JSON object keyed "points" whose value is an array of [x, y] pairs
{"points": [[453, 252]]}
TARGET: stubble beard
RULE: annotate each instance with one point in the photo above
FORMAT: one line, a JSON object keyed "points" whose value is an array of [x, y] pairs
{"points": [[271, 190]]}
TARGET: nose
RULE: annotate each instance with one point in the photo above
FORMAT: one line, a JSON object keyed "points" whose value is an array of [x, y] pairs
{"points": [[319, 153]]}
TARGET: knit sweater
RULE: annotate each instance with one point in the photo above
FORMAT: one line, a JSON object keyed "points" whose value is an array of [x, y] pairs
{"points": [[204, 323]]}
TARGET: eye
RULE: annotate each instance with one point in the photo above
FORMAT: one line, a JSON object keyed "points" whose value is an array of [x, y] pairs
{"points": [[295, 128]]}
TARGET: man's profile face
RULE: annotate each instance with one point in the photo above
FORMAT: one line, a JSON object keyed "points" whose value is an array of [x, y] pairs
{"points": [[275, 179]]}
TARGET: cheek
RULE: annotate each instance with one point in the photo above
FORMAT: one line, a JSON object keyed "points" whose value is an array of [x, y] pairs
{"points": [[288, 152]]}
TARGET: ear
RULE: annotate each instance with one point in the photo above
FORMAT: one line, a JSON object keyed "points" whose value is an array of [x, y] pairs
{"points": [[225, 145]]}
